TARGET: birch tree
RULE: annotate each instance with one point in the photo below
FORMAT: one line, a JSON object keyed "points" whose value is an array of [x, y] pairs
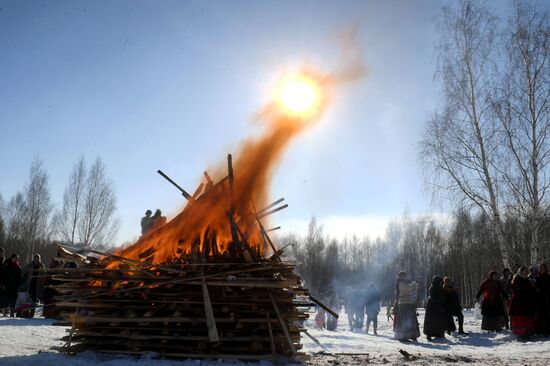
{"points": [[459, 145], [68, 219], [98, 223], [36, 207], [523, 108]]}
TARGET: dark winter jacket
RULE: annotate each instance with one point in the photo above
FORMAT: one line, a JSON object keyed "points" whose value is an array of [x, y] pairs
{"points": [[373, 301], [31, 281], [507, 285], [542, 288], [493, 295], [435, 319], [12, 276], [2, 265], [452, 301], [523, 297]]}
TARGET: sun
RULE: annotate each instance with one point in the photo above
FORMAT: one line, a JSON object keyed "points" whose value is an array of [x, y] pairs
{"points": [[298, 95]]}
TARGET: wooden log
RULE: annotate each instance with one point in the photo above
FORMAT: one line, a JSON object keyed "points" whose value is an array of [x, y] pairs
{"points": [[326, 308], [270, 212], [183, 191], [273, 204]]}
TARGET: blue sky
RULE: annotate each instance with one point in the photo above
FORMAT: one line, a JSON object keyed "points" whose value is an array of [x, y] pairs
{"points": [[174, 85]]}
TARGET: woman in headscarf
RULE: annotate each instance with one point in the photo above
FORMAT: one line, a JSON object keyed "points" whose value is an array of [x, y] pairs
{"points": [[405, 324], [522, 304], [492, 306], [434, 319]]}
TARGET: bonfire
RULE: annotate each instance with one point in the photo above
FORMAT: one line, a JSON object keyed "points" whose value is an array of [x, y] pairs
{"points": [[210, 283]]}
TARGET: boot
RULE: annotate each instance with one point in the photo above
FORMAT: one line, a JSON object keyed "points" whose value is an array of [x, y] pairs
{"points": [[375, 332], [461, 331]]}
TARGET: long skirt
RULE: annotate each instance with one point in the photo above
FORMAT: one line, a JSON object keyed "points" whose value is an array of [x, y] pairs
{"points": [[523, 324], [405, 324], [492, 323], [434, 322]]}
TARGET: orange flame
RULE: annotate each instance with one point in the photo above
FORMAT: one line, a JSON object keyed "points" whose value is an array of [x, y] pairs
{"points": [[203, 229]]}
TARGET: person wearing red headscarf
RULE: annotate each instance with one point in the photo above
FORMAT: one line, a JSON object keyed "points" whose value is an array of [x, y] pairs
{"points": [[492, 294]]}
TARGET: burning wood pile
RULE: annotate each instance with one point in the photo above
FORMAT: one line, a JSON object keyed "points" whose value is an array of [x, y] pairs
{"points": [[208, 284]]}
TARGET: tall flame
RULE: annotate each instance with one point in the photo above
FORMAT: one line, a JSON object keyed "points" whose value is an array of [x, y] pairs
{"points": [[204, 228]]}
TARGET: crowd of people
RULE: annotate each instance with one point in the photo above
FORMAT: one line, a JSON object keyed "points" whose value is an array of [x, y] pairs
{"points": [[149, 223], [20, 288], [357, 303], [520, 302]]}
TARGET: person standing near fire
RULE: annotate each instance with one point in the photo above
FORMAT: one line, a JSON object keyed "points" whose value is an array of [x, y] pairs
{"points": [[405, 324], [158, 220], [146, 222], [492, 306], [32, 281], [452, 307], [12, 279], [372, 307]]}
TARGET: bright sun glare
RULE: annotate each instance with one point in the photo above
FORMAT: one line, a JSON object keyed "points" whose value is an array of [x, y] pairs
{"points": [[298, 95]]}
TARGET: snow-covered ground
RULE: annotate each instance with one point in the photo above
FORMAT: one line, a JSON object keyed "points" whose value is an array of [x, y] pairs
{"points": [[30, 342]]}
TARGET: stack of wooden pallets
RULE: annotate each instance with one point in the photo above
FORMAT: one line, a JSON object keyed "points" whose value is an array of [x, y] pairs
{"points": [[204, 310]]}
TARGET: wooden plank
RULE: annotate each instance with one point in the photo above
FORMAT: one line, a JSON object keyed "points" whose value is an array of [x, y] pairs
{"points": [[326, 308], [271, 341], [210, 321], [282, 322]]}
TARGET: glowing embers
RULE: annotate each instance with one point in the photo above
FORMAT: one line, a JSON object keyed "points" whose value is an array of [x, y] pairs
{"points": [[299, 95]]}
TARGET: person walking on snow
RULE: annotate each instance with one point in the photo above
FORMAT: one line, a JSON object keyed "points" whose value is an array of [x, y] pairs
{"points": [[452, 307], [372, 307]]}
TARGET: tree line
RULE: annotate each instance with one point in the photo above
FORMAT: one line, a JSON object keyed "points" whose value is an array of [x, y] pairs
{"points": [[31, 223], [462, 247]]}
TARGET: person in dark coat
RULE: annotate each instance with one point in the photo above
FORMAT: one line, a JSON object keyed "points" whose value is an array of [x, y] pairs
{"points": [[434, 319], [492, 295], [146, 222], [372, 307], [12, 280], [358, 308], [452, 307], [405, 323], [32, 281], [542, 288], [522, 304], [506, 281]]}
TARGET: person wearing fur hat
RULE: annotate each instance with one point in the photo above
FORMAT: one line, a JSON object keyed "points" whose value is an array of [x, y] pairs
{"points": [[434, 319], [522, 304], [452, 307], [405, 323], [492, 294]]}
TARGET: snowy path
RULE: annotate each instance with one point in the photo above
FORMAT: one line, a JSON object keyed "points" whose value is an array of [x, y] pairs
{"points": [[29, 342]]}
